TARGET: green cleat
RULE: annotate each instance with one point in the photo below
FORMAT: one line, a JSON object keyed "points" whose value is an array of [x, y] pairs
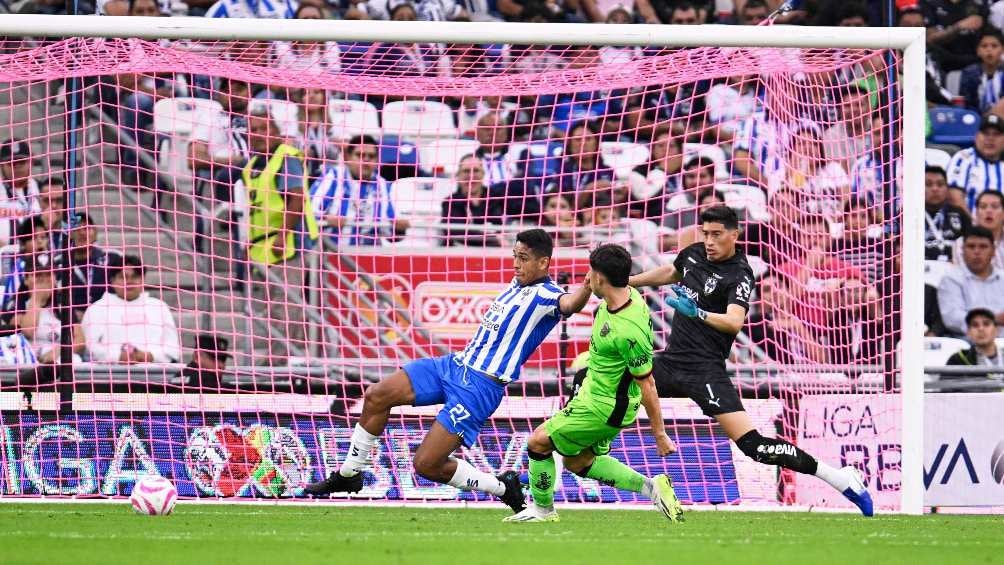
{"points": [[665, 498]]}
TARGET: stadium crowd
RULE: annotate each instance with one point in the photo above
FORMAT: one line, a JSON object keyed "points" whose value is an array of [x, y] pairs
{"points": [[814, 182]]}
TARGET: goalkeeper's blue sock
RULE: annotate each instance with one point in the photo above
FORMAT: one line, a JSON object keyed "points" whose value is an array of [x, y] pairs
{"points": [[542, 477]]}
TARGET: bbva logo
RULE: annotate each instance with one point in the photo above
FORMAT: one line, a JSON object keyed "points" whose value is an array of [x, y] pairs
{"points": [[961, 455]]}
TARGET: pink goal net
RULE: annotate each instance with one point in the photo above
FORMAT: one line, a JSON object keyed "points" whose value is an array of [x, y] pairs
{"points": [[210, 248]]}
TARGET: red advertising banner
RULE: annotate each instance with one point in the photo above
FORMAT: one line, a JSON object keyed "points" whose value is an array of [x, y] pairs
{"points": [[406, 302]]}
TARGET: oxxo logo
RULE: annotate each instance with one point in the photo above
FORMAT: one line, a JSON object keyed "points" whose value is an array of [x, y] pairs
{"points": [[450, 310]]}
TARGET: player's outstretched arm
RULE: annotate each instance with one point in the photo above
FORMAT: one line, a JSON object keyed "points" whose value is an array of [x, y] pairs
{"points": [[575, 301], [666, 274], [650, 400], [731, 322]]}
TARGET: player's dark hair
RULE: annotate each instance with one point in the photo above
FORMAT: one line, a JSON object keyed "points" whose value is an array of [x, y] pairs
{"points": [[721, 214], [613, 262], [539, 241], [979, 231], [936, 170]]}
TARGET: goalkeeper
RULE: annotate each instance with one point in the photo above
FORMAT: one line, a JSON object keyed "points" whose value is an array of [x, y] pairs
{"points": [[714, 283], [619, 379]]}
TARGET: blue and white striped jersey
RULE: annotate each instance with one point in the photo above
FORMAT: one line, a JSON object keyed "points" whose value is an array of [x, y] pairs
{"points": [[283, 9], [15, 351], [972, 174], [759, 136], [512, 329], [366, 204]]}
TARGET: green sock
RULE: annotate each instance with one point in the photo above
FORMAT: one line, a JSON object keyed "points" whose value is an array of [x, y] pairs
{"points": [[542, 481], [612, 472]]}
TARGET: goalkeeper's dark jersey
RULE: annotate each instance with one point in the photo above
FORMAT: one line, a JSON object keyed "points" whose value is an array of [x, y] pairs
{"points": [[713, 286]]}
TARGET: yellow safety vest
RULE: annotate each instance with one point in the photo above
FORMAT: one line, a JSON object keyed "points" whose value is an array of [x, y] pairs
{"points": [[268, 208]]}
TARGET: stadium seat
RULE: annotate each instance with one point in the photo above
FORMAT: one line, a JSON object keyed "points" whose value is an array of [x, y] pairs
{"points": [[537, 159], [398, 158], [623, 156], [352, 117], [937, 350], [956, 126], [439, 157], [937, 158], [286, 114], [415, 119], [713, 152], [934, 270], [745, 197], [420, 199], [174, 120]]}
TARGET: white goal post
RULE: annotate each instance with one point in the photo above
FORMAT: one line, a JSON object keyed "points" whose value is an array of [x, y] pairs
{"points": [[911, 41]]}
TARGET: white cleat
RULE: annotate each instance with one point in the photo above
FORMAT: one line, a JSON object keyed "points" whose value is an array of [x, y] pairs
{"points": [[534, 513], [857, 492]]}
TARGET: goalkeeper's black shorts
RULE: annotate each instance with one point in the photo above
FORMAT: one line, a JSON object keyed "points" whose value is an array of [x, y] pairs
{"points": [[707, 384]]}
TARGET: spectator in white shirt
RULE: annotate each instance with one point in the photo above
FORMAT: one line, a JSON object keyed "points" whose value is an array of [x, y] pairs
{"points": [[975, 284], [127, 325], [311, 57]]}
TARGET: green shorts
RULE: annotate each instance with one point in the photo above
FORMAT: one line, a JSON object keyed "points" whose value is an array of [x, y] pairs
{"points": [[580, 426]]}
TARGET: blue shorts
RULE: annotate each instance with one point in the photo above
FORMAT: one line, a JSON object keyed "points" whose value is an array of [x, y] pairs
{"points": [[468, 397]]}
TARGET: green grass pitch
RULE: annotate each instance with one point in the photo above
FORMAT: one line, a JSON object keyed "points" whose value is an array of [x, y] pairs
{"points": [[328, 533]]}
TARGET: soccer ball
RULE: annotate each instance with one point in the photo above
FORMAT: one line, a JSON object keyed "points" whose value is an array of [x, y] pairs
{"points": [[153, 496]]}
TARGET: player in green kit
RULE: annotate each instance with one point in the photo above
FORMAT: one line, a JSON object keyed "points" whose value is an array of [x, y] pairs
{"points": [[618, 381]]}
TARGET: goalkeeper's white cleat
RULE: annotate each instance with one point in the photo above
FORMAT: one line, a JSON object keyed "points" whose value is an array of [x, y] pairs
{"points": [[857, 492], [665, 498], [534, 513]]}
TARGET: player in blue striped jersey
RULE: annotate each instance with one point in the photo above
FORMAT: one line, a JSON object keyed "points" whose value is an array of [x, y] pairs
{"points": [[469, 383]]}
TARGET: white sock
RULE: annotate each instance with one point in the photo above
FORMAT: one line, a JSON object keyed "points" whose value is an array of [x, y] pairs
{"points": [[358, 457], [469, 478], [834, 477], [648, 489]]}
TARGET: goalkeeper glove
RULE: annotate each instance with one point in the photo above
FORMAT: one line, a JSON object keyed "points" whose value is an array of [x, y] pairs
{"points": [[683, 303]]}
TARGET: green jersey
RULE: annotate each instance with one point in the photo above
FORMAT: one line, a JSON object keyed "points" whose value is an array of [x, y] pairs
{"points": [[620, 350]]}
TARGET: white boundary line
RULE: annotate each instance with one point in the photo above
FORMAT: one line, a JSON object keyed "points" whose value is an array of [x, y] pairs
{"points": [[457, 505]]}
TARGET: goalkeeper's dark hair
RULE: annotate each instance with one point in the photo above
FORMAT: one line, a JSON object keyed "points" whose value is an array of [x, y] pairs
{"points": [[539, 241], [721, 214], [613, 262]]}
